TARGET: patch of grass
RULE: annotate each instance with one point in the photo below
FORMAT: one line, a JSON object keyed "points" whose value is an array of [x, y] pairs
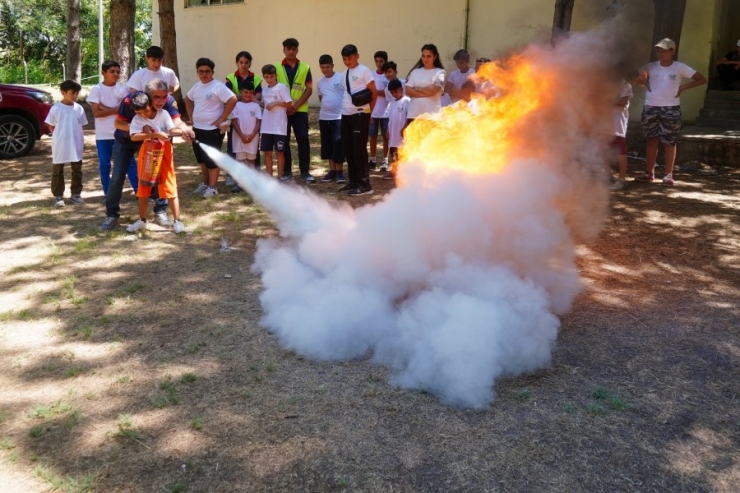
{"points": [[569, 408], [232, 216], [196, 423], [126, 430], [21, 315], [188, 378], [12, 456], [43, 411], [170, 396], [66, 483], [124, 379], [270, 366], [523, 394], [4, 416], [597, 409], [178, 487], [132, 288], [194, 347], [73, 371], [616, 403], [600, 394], [6, 444], [85, 245], [36, 431], [73, 419]]}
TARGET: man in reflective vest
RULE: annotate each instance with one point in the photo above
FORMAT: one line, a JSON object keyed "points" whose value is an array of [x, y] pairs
{"points": [[297, 76]]}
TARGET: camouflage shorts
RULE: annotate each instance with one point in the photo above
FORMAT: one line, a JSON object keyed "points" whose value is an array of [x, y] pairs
{"points": [[663, 122]]}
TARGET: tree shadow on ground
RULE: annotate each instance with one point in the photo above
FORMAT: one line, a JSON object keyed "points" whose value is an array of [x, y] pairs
{"points": [[135, 362]]}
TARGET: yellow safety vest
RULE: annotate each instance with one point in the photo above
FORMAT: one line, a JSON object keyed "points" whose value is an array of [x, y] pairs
{"points": [[299, 83], [235, 83]]}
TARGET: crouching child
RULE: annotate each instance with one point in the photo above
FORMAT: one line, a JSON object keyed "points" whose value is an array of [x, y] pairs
{"points": [[155, 163]]}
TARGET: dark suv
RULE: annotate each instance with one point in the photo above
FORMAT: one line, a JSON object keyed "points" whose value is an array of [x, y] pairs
{"points": [[22, 114]]}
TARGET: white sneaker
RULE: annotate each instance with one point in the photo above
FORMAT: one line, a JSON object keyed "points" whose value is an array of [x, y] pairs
{"points": [[139, 225], [77, 199], [178, 227], [58, 201], [201, 188], [384, 166], [230, 181], [210, 192]]}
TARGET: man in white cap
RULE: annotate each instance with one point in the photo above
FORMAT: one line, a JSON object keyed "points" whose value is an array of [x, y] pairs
{"points": [[661, 115], [728, 67]]}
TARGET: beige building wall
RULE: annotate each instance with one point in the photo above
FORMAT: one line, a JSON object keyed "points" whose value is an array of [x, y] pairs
{"points": [[493, 28]]}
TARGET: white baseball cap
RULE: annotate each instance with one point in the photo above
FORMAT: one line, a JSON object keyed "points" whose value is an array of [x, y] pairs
{"points": [[738, 42], [666, 44]]}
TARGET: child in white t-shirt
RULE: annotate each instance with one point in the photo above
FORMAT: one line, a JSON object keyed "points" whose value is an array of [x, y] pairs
{"points": [[152, 124], [459, 86], [377, 120], [619, 144], [276, 98], [154, 70], [66, 120], [396, 112], [105, 98], [331, 96], [245, 128]]}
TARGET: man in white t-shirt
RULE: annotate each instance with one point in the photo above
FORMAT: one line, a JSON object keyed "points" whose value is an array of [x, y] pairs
{"points": [[661, 115], [355, 122], [459, 86], [209, 103], [153, 70], [331, 97], [377, 120], [105, 98]]}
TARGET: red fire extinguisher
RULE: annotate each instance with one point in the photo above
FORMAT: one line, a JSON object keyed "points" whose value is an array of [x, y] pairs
{"points": [[152, 163]]}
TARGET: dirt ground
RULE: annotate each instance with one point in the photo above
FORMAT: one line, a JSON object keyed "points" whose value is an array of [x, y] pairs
{"points": [[137, 364]]}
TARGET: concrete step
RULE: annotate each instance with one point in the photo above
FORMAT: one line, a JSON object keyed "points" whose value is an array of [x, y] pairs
{"points": [[727, 113], [723, 96], [725, 123], [715, 146]]}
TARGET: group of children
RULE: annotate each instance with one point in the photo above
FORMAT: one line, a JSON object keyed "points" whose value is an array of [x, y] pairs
{"points": [[255, 112]]}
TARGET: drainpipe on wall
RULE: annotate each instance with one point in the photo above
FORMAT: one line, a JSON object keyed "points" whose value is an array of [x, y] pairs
{"points": [[466, 16]]}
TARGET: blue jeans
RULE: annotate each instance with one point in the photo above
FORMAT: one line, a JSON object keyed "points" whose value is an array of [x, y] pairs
{"points": [[123, 154], [299, 123], [105, 153]]}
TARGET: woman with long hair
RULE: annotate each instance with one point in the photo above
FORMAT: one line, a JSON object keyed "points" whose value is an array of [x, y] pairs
{"points": [[425, 83]]}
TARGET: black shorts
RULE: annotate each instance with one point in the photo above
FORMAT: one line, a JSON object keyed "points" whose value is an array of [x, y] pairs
{"points": [[331, 140], [213, 138], [270, 142]]}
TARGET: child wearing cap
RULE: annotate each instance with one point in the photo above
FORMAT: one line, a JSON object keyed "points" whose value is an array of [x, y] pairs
{"points": [[661, 115]]}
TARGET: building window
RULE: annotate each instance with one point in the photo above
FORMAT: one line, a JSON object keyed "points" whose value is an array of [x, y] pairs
{"points": [[208, 3]]}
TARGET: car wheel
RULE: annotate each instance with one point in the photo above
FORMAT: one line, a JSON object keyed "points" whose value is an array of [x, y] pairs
{"points": [[17, 136]]}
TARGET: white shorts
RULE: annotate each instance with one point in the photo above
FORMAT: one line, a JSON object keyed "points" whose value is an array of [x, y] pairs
{"points": [[245, 156]]}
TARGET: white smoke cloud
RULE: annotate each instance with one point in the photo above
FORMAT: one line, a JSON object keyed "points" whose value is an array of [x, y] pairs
{"points": [[451, 281]]}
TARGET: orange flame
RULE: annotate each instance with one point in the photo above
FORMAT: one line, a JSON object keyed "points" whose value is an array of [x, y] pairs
{"points": [[457, 137]]}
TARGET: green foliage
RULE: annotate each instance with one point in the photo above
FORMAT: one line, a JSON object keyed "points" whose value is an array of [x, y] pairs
{"points": [[36, 31]]}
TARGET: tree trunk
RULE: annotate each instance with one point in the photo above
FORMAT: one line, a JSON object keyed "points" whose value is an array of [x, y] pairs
{"points": [[561, 19], [668, 21], [168, 42], [122, 42], [74, 47]]}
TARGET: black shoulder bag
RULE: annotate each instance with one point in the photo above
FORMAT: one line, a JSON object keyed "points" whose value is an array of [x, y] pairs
{"points": [[360, 98]]}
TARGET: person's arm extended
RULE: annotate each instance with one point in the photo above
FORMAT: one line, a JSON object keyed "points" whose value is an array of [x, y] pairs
{"points": [[189, 107], [185, 131], [725, 61], [696, 80]]}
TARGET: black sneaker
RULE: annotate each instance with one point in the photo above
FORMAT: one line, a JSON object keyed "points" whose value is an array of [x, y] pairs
{"points": [[363, 190], [308, 178], [371, 164], [349, 187], [329, 176], [109, 223], [340, 178]]}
